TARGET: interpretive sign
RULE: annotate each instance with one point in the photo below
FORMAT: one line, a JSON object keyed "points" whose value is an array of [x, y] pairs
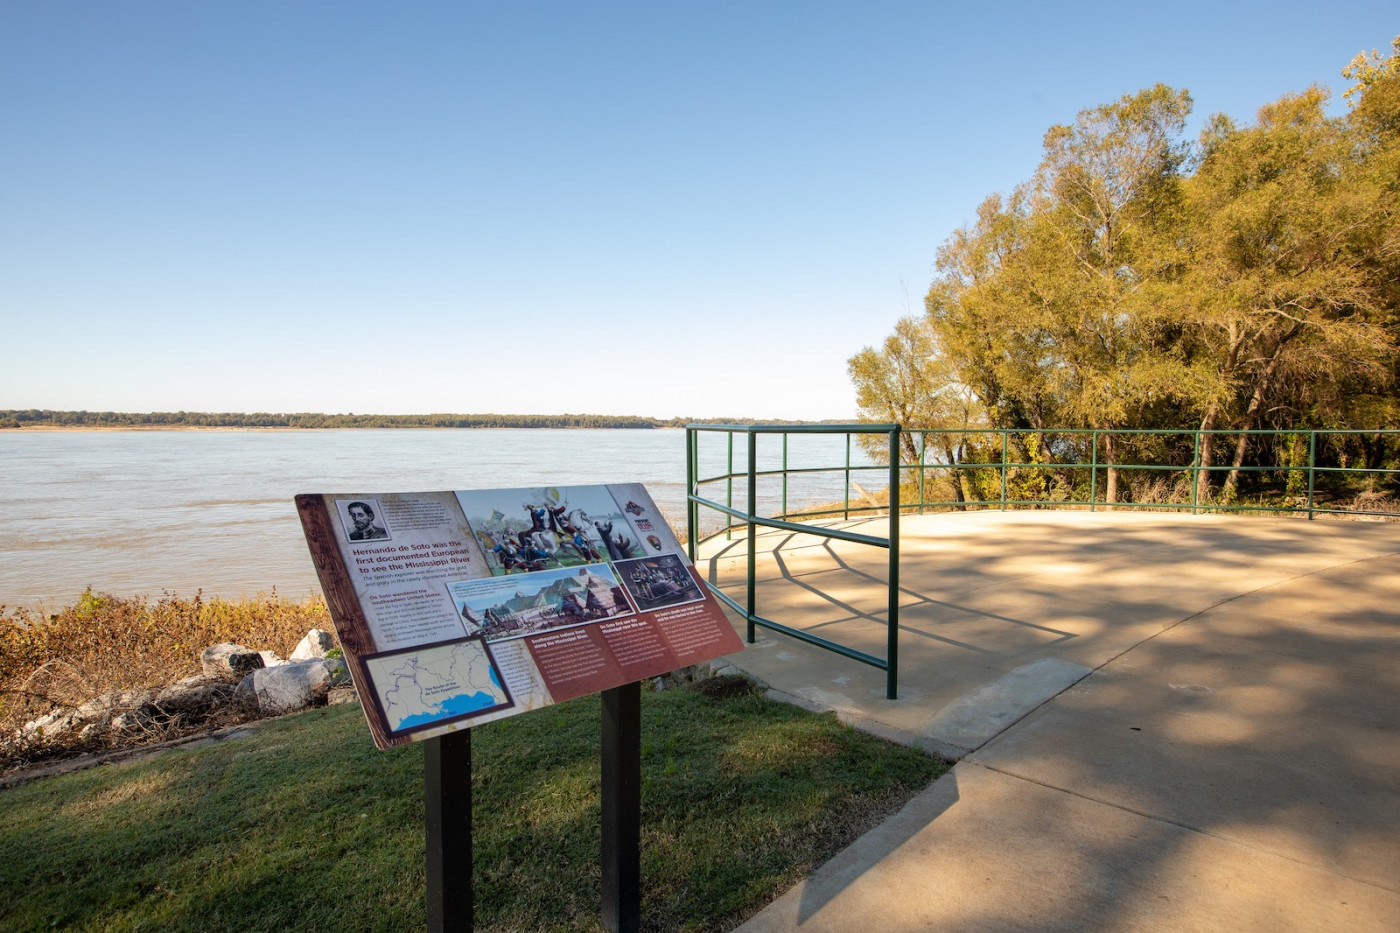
{"points": [[459, 608]]}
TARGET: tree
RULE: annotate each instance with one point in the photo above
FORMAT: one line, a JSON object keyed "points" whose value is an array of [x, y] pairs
{"points": [[982, 321], [1134, 281], [1048, 303], [909, 382], [1109, 210], [1277, 283]]}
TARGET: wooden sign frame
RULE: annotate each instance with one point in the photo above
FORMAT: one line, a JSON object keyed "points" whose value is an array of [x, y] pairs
{"points": [[582, 589]]}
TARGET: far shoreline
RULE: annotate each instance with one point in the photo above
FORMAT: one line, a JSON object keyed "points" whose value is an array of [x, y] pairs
{"points": [[36, 419], [53, 428]]}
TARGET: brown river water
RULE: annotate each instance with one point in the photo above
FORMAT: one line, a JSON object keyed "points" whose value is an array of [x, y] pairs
{"points": [[144, 512]]}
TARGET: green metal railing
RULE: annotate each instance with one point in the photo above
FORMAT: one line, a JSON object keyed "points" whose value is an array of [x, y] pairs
{"points": [[1070, 456], [750, 520], [1061, 457]]}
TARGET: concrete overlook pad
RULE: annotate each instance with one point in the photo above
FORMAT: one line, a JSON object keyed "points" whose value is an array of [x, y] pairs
{"points": [[1165, 722]]}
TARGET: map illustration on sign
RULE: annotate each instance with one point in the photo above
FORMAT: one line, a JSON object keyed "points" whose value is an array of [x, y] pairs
{"points": [[430, 686], [457, 608]]}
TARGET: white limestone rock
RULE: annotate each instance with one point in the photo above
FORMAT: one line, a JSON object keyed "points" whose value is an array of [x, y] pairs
{"points": [[49, 725], [340, 672], [246, 693], [292, 686], [317, 642], [108, 705], [89, 718]]}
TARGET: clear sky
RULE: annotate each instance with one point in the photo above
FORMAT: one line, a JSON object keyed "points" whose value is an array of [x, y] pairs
{"points": [[663, 208]]}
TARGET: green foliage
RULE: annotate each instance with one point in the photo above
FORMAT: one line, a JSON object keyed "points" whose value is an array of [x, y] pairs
{"points": [[1250, 279], [1028, 484], [1296, 453]]}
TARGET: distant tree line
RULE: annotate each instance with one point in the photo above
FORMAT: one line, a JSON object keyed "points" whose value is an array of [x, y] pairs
{"points": [[35, 417], [1249, 279]]}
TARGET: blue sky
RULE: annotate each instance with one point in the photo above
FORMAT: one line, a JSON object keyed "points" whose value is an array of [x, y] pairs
{"points": [[668, 208]]}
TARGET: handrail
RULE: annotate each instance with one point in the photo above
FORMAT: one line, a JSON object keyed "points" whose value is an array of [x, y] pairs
{"points": [[1062, 457], [750, 521], [1299, 502], [836, 533]]}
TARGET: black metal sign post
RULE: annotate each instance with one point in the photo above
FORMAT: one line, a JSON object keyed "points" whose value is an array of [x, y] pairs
{"points": [[447, 793], [453, 527], [622, 807]]}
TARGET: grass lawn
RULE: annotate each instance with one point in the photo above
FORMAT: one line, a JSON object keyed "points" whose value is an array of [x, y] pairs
{"points": [[305, 825]]}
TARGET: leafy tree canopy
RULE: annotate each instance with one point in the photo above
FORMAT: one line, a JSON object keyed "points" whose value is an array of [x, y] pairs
{"points": [[1247, 279]]}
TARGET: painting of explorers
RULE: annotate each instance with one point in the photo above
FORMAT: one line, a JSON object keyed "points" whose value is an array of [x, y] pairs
{"points": [[540, 528], [659, 581], [497, 608]]}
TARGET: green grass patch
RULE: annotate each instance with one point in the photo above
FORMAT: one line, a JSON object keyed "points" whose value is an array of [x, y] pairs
{"points": [[305, 825]]}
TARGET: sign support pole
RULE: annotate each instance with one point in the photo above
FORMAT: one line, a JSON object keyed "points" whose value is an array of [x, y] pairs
{"points": [[622, 807], [447, 794]]}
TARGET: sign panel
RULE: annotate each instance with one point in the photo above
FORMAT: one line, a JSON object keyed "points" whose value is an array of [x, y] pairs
{"points": [[459, 608]]}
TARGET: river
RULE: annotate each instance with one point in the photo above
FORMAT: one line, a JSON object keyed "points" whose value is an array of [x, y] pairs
{"points": [[142, 512]]}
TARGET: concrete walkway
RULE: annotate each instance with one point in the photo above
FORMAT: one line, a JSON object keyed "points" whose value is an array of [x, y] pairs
{"points": [[1163, 722]]}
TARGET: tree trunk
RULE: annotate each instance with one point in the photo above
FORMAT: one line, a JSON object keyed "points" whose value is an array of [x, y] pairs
{"points": [[1232, 359], [965, 491], [1241, 444], [1207, 449], [906, 444], [1256, 402], [1110, 451], [952, 455], [958, 493]]}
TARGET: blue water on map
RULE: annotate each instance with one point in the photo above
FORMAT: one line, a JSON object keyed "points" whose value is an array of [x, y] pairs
{"points": [[141, 512], [459, 705]]}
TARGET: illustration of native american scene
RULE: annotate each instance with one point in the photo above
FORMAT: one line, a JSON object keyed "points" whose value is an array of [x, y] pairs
{"points": [[540, 601], [538, 528], [658, 581]]}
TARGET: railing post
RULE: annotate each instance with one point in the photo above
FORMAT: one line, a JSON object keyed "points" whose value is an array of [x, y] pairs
{"points": [[923, 447], [729, 488], [1094, 470], [1195, 469], [1005, 433], [785, 476], [846, 506], [892, 613], [1312, 466], [692, 511], [752, 587]]}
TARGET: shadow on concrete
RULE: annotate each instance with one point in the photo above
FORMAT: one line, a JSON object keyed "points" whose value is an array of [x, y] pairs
{"points": [[1230, 764]]}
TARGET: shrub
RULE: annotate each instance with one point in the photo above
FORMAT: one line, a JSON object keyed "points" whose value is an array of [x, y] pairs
{"points": [[105, 644]]}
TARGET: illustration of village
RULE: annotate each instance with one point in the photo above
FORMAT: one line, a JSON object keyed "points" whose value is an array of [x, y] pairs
{"points": [[498, 608], [563, 556]]}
